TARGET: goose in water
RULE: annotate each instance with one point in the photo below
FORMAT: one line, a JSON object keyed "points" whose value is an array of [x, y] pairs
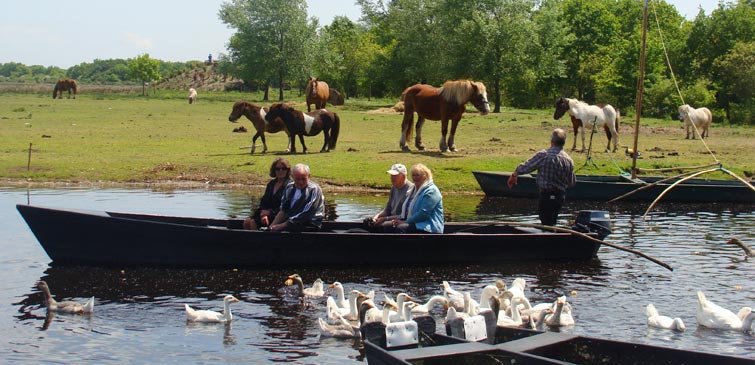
{"points": [[373, 314], [659, 321], [455, 298], [434, 300], [317, 289], [453, 315], [515, 320], [749, 252], [208, 316], [401, 299], [340, 296], [489, 293], [712, 316], [351, 312], [343, 329], [559, 316], [64, 306]]}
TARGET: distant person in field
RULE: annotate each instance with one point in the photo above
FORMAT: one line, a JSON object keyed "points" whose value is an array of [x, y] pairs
{"points": [[302, 206], [280, 171], [555, 173]]}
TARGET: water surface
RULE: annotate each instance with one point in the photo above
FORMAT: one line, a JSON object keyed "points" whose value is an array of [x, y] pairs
{"points": [[139, 315]]}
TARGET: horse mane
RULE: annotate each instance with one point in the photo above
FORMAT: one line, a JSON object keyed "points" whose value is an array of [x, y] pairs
{"points": [[460, 91]]}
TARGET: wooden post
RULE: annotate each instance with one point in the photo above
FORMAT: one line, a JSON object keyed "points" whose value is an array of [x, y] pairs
{"points": [[640, 87], [28, 160]]}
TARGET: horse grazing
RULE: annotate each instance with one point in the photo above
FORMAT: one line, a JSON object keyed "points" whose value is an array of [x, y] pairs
{"points": [[335, 97], [307, 124], [65, 85], [700, 116], [444, 103], [317, 93], [257, 116], [192, 95], [589, 116]]}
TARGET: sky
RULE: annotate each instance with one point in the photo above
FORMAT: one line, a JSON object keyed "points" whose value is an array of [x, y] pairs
{"points": [[66, 33]]}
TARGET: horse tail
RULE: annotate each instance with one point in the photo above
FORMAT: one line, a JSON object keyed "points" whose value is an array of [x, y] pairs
{"points": [[55, 90], [618, 119], [334, 132]]}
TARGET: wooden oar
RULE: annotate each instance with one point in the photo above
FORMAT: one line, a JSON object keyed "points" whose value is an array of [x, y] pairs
{"points": [[573, 232], [673, 185]]}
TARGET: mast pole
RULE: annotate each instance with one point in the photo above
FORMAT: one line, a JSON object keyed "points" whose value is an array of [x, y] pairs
{"points": [[640, 87]]}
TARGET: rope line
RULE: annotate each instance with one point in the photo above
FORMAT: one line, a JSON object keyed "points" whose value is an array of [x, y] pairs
{"points": [[673, 77]]}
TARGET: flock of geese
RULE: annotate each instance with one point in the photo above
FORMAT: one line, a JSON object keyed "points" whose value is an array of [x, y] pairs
{"points": [[346, 313]]}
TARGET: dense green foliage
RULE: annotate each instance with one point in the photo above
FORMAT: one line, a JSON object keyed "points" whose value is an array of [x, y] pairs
{"points": [[527, 52]]}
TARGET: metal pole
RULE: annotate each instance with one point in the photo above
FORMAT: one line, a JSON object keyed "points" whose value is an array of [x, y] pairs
{"points": [[640, 87]]}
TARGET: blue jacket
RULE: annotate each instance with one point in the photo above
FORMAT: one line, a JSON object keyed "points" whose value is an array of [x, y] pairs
{"points": [[427, 212]]}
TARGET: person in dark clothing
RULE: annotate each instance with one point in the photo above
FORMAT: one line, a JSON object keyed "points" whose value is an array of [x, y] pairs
{"points": [[280, 171], [303, 205], [555, 173]]}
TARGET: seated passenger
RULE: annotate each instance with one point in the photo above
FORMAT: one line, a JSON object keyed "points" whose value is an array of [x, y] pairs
{"points": [[270, 203], [303, 205], [423, 209], [399, 191]]}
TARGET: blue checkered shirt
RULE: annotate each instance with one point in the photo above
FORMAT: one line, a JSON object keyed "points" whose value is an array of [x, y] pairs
{"points": [[555, 169]]}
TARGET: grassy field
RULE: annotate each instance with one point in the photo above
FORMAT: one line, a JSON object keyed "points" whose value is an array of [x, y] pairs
{"points": [[110, 137]]}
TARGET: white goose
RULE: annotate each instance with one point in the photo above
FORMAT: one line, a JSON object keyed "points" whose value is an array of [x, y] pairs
{"points": [[455, 298], [470, 305], [342, 329], [560, 317], [453, 315], [317, 289], [64, 306], [665, 322], [488, 293], [373, 314], [515, 320], [208, 316], [401, 299], [712, 316], [425, 308], [340, 296]]}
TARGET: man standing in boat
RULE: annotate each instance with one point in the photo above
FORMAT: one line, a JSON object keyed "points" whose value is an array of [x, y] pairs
{"points": [[555, 173], [303, 205]]}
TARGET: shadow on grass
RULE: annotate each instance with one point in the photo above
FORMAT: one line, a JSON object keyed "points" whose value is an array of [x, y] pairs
{"points": [[436, 154]]}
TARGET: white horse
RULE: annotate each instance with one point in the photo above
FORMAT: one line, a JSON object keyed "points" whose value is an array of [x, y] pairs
{"points": [[589, 116], [192, 95], [700, 116]]}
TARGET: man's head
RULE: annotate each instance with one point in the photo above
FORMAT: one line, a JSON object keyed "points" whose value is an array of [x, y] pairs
{"points": [[398, 175], [558, 138], [300, 173]]}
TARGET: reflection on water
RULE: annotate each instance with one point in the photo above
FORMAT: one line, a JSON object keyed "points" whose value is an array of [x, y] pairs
{"points": [[139, 312]]}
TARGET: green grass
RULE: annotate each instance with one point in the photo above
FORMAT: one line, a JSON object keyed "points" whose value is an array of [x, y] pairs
{"points": [[112, 137]]}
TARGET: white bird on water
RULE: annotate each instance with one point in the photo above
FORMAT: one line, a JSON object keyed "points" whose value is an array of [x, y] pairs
{"points": [[711, 315], [208, 316], [665, 322], [64, 306]]}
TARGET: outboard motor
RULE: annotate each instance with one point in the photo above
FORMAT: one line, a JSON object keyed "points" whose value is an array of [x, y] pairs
{"points": [[593, 221]]}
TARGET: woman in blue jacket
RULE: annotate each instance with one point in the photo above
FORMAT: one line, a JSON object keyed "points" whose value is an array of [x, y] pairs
{"points": [[422, 211]]}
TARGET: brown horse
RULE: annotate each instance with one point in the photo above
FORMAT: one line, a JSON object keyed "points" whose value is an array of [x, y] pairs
{"points": [[447, 102], [257, 116], [63, 85], [307, 124], [317, 93], [335, 97]]}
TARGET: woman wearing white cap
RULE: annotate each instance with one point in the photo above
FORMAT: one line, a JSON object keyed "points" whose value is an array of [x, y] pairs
{"points": [[399, 191]]}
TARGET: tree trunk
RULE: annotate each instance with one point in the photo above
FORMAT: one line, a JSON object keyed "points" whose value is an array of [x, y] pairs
{"points": [[280, 85], [266, 97]]}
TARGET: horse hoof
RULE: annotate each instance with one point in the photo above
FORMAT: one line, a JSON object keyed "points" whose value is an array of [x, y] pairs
{"points": [[405, 149], [421, 148], [453, 149]]}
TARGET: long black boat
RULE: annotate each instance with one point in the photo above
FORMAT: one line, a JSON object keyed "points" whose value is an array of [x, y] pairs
{"points": [[110, 238], [523, 346], [603, 187]]}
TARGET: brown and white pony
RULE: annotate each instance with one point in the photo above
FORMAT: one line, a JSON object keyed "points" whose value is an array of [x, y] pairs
{"points": [[303, 124], [192, 95], [701, 117], [317, 93], [257, 116], [65, 85], [444, 103], [584, 116]]}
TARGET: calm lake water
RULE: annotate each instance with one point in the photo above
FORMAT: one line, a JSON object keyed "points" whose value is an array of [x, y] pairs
{"points": [[139, 315]]}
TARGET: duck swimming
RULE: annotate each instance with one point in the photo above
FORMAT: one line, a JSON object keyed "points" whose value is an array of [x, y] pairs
{"points": [[64, 306], [208, 316], [659, 321], [317, 289], [711, 315]]}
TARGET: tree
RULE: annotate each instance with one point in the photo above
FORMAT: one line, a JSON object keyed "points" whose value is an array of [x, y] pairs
{"points": [[144, 69], [273, 39], [736, 77]]}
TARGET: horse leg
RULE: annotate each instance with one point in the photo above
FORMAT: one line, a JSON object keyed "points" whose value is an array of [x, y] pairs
{"points": [[292, 143], [451, 144], [326, 133], [254, 142], [576, 131], [418, 138], [406, 129], [264, 143], [303, 146], [583, 138]]}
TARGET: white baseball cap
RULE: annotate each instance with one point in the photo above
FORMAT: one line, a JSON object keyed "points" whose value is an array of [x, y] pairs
{"points": [[397, 168]]}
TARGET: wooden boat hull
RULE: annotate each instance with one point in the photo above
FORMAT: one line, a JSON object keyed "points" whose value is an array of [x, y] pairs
{"points": [[514, 345], [108, 238], [601, 187]]}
